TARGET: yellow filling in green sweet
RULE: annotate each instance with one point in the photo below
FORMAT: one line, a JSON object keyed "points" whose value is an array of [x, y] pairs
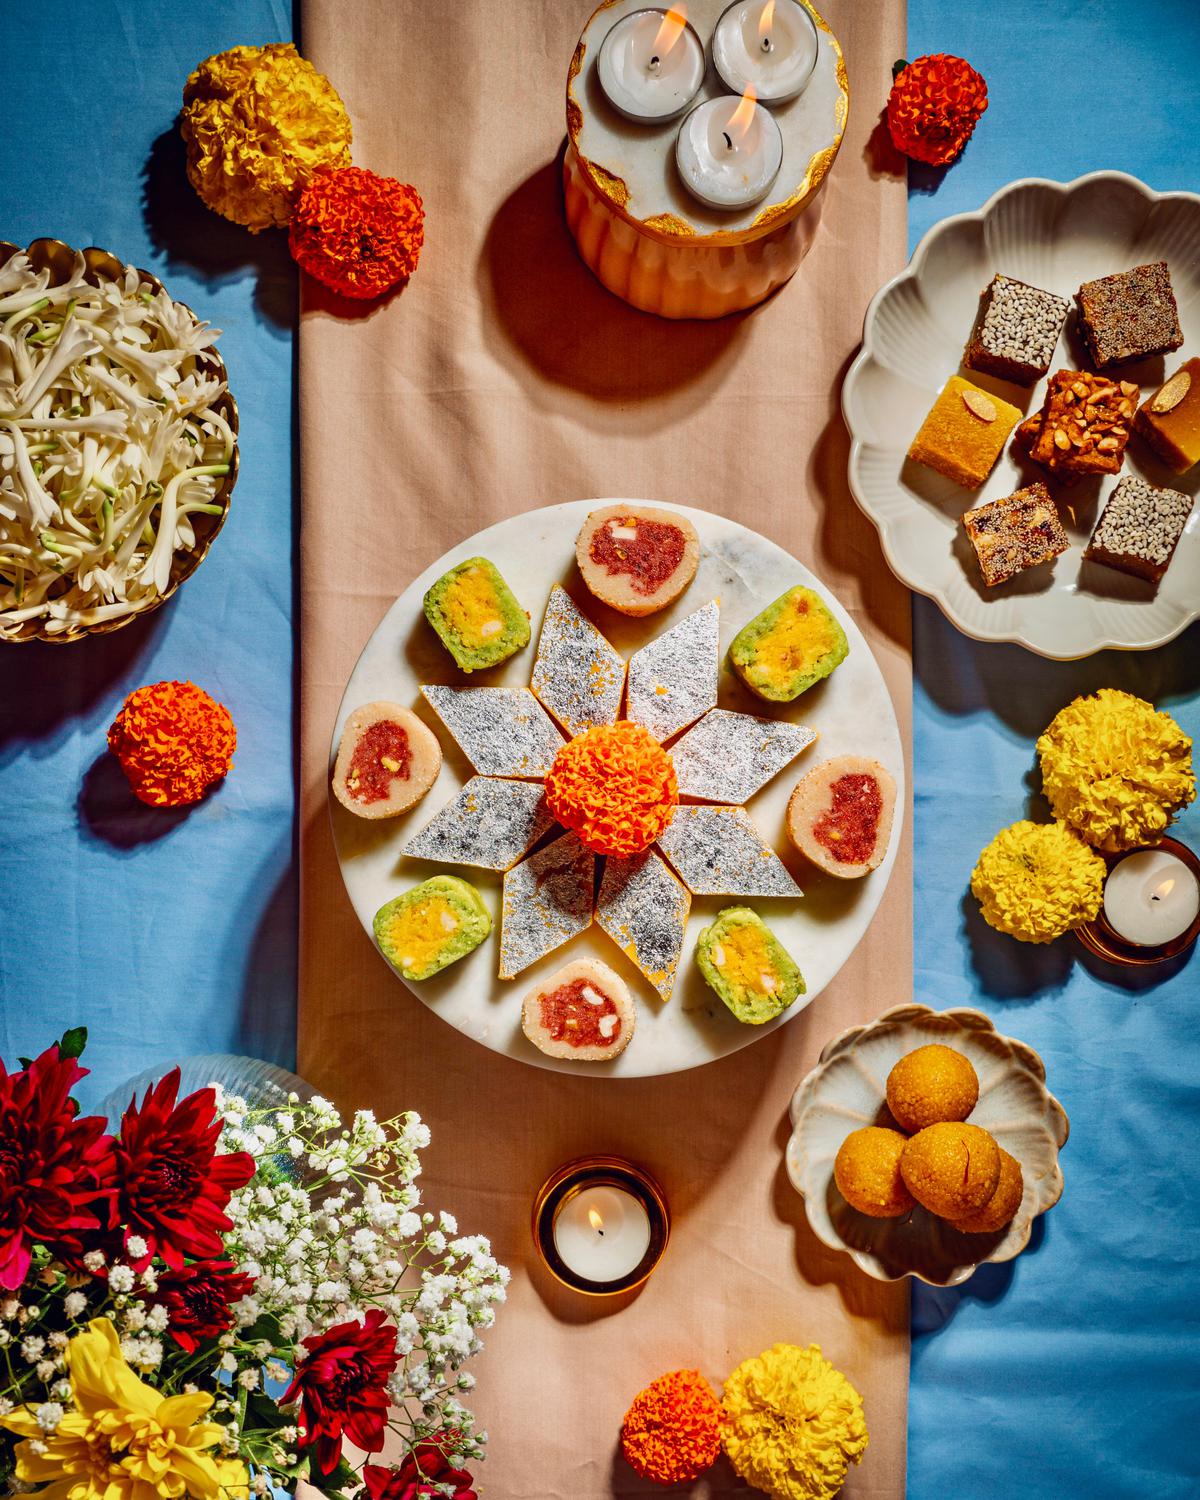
{"points": [[800, 636], [743, 960], [472, 609], [419, 932]]}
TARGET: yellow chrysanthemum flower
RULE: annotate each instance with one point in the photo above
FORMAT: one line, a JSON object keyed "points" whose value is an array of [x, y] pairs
{"points": [[1116, 769], [258, 122], [795, 1424], [122, 1440], [1036, 881]]}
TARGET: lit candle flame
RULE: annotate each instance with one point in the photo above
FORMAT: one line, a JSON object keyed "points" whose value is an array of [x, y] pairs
{"points": [[669, 32], [1163, 889], [595, 1220], [739, 120], [764, 25]]}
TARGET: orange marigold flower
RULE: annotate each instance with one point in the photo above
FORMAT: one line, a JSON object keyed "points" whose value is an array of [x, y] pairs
{"points": [[615, 786], [933, 107], [173, 742], [357, 232], [672, 1432]]}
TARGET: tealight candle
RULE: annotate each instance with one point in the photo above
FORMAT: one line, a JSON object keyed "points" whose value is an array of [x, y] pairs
{"points": [[729, 152], [601, 1225], [1151, 898], [651, 65], [768, 45]]}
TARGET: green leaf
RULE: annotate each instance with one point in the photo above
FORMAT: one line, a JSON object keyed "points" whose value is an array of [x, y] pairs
{"points": [[73, 1042], [26, 1062], [898, 67]]}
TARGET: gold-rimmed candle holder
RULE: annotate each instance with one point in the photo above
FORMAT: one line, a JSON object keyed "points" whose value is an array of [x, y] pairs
{"points": [[565, 1184], [1101, 938]]}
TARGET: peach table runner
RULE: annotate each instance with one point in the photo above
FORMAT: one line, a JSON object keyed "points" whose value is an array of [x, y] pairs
{"points": [[503, 378]]}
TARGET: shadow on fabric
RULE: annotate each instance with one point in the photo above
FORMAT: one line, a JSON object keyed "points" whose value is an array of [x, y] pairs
{"points": [[194, 238], [109, 811], [549, 308]]}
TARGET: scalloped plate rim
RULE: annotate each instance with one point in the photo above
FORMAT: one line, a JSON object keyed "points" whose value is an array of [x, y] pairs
{"points": [[866, 352]]}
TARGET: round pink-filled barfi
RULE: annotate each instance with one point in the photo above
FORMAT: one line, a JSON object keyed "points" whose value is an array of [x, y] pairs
{"points": [[637, 558], [583, 1011], [840, 815], [387, 760]]}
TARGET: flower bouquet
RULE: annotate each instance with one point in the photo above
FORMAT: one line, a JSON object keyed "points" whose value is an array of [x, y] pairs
{"points": [[212, 1301]]}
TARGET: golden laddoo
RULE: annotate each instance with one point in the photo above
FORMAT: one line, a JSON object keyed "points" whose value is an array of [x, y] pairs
{"points": [[867, 1172], [1002, 1206], [951, 1169], [931, 1085]]}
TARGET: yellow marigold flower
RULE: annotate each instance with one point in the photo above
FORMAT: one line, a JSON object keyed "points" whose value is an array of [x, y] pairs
{"points": [[1116, 770], [794, 1424], [258, 121], [1036, 881], [121, 1440]]}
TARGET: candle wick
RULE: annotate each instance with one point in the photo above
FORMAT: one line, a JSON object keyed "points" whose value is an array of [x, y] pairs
{"points": [[767, 44], [728, 142], [654, 61]]}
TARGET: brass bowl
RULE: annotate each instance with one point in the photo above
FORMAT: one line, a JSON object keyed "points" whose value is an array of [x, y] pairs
{"points": [[59, 259]]}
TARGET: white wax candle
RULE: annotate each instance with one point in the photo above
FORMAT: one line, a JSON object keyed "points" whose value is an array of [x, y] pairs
{"points": [[728, 152], [651, 65], [1150, 898], [770, 45], [602, 1233]]}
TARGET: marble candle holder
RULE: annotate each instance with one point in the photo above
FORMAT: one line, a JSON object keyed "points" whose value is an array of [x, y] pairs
{"points": [[635, 224]]}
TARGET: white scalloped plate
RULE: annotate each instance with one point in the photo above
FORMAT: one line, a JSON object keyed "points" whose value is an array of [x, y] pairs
{"points": [[846, 1091], [1055, 235]]}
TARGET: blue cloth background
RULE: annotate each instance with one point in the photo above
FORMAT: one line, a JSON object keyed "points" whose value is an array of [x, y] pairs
{"points": [[1074, 1372], [166, 934]]}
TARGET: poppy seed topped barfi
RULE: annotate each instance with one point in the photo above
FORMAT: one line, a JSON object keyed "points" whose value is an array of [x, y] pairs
{"points": [[1130, 315], [1016, 332]]}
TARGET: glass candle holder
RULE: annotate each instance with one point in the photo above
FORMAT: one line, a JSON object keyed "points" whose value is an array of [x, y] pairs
{"points": [[601, 1225], [1104, 939]]}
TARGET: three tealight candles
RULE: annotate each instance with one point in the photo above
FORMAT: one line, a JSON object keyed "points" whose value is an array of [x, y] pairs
{"points": [[729, 150]]}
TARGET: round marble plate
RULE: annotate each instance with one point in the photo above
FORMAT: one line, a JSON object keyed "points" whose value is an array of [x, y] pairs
{"points": [[1056, 236], [846, 1090], [851, 711]]}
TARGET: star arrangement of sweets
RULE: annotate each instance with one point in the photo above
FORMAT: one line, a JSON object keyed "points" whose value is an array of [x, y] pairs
{"points": [[1081, 429], [611, 792]]}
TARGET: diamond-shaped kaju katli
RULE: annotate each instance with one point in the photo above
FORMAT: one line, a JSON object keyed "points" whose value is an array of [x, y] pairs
{"points": [[561, 753]]}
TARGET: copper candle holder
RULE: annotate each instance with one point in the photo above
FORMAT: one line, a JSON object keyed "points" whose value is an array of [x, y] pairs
{"points": [[575, 1177], [1100, 938]]}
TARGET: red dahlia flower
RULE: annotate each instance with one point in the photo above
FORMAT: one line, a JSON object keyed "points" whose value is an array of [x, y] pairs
{"points": [[199, 1297], [358, 233], [341, 1388], [425, 1471], [173, 1185], [934, 106], [55, 1168]]}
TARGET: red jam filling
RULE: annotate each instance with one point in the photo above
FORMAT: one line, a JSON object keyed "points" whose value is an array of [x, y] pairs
{"points": [[382, 755], [649, 558], [569, 1016], [849, 827]]}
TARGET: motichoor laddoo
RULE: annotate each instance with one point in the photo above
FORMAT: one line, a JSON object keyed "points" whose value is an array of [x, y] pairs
{"points": [[951, 1169], [931, 1085], [1002, 1206], [867, 1172]]}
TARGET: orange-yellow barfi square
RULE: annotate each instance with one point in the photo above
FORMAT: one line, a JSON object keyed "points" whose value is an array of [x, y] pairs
{"points": [[964, 433]]}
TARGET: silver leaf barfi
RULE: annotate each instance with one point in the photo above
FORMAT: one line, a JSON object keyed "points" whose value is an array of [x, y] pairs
{"points": [[673, 680], [501, 731], [644, 909], [727, 756], [717, 851], [548, 900], [578, 676], [490, 823]]}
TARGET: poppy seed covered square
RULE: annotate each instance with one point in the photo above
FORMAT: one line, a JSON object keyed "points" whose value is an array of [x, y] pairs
{"points": [[1130, 315], [1016, 332]]}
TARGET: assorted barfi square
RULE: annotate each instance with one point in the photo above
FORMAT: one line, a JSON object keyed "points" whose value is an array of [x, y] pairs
{"points": [[1129, 316], [964, 433], [1170, 419], [1015, 533], [1017, 331], [1140, 528], [1083, 426]]}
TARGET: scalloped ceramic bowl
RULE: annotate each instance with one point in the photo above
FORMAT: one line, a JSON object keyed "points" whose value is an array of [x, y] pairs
{"points": [[1055, 235], [846, 1090]]}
